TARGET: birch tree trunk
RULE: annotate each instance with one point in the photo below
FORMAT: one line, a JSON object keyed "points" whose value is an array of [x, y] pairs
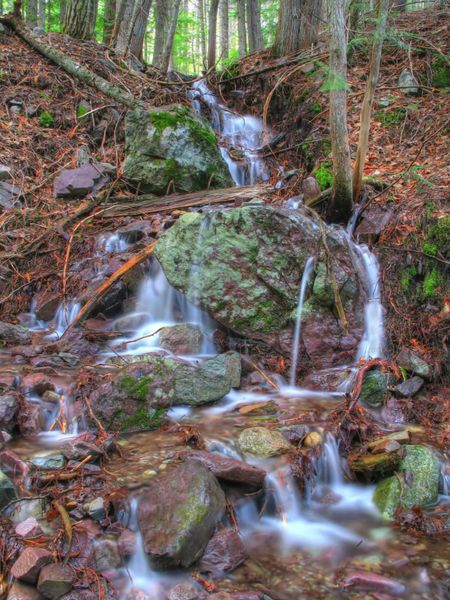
{"points": [[242, 30], [79, 19], [366, 109], [212, 33], [162, 13], [224, 29], [255, 38], [287, 38], [170, 37], [340, 206]]}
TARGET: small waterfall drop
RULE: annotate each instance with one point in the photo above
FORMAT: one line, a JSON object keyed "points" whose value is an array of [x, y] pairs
{"points": [[309, 266]]}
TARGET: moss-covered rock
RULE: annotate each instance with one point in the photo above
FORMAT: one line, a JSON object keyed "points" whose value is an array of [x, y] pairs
{"points": [[263, 442], [250, 261], [374, 391], [415, 484], [172, 147]]}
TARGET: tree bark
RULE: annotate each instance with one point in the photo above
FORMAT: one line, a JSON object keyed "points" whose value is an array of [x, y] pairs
{"points": [[255, 38], [366, 109], [32, 13], [131, 29], [170, 37], [201, 18], [162, 13], [79, 19], [287, 39], [212, 33], [41, 14], [340, 206], [224, 29], [137, 33], [310, 22], [109, 20], [242, 30]]}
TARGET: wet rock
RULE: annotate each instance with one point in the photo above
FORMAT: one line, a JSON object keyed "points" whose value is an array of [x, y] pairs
{"points": [[134, 232], [11, 334], [9, 407], [106, 555], [261, 409], [313, 440], [29, 508], [126, 543], [29, 564], [77, 183], [31, 419], [82, 595], [55, 580], [78, 449], [416, 482], [374, 466], [310, 189], [96, 509], [262, 442], [410, 361], [229, 469], [10, 195], [227, 364], [253, 258], [386, 446], [409, 388], [5, 173], [37, 383], [172, 148], [374, 391], [408, 83], [13, 465], [29, 528], [393, 412], [47, 303], [178, 514], [184, 591], [379, 444], [48, 461], [372, 582], [22, 591], [224, 552], [373, 223], [7, 491], [184, 338]]}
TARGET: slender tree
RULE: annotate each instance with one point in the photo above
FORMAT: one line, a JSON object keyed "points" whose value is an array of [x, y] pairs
{"points": [[366, 109], [131, 29], [340, 206], [162, 16], [201, 19], [41, 14], [109, 17], [310, 22], [224, 29], [212, 33], [32, 13], [287, 39], [79, 19], [170, 37], [255, 38], [242, 30]]}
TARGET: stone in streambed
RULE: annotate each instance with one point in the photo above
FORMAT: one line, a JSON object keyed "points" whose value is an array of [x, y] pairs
{"points": [[419, 473], [7, 491], [106, 555], [29, 528], [183, 338], [55, 580], [373, 582], [224, 553], [178, 514], [48, 461], [227, 364], [409, 388], [9, 407], [184, 591], [411, 362], [374, 466], [14, 334], [29, 564], [262, 442], [374, 390], [22, 591], [229, 469], [172, 147]]}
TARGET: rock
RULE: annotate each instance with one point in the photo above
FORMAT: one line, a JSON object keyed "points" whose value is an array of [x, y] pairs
{"points": [[29, 528], [126, 543], [262, 442], [409, 360], [29, 564], [372, 224], [9, 407], [14, 466], [7, 491], [402, 437], [313, 440], [252, 260], [175, 148], [55, 580], [386, 446], [10, 195], [5, 173], [228, 365], [96, 509], [409, 388], [77, 183], [184, 338], [229, 469], [31, 418], [224, 552], [374, 391], [47, 303], [178, 514], [374, 466], [183, 591], [29, 508], [106, 555], [48, 461], [78, 449], [14, 334], [310, 189], [22, 591], [419, 472], [408, 83], [372, 582]]}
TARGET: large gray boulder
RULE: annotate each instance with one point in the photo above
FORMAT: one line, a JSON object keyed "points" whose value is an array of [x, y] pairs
{"points": [[172, 148], [250, 263], [178, 514]]}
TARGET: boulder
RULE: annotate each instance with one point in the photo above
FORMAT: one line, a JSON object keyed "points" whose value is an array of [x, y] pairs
{"points": [[411, 362], [229, 469], [55, 580], [408, 83], [22, 591], [183, 338], [310, 189], [251, 261], [48, 461], [184, 591], [416, 482], [29, 564], [224, 552], [126, 543], [374, 390], [5, 172], [172, 148], [11, 334], [263, 442], [9, 407], [106, 555], [10, 195], [409, 387], [29, 528], [77, 183], [228, 365], [7, 491], [178, 514]]}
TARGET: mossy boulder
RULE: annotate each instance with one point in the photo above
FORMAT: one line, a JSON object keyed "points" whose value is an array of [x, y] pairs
{"points": [[178, 514], [172, 148], [183, 338], [374, 390], [250, 261], [416, 482], [263, 442]]}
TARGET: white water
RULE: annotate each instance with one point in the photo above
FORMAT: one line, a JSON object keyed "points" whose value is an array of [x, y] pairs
{"points": [[241, 136], [309, 266]]}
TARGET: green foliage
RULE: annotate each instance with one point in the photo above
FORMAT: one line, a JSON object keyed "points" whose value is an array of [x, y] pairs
{"points": [[231, 65], [46, 119], [82, 111], [439, 233], [441, 72], [432, 283], [334, 81], [389, 117], [324, 175], [430, 249], [316, 107], [408, 275]]}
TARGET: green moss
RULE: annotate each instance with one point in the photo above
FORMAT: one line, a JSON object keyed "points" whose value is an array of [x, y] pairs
{"points": [[324, 175], [82, 111], [431, 284], [374, 390], [390, 117], [441, 72], [316, 107], [440, 233], [430, 249], [46, 119], [138, 388], [191, 513], [408, 274], [142, 419], [162, 119]]}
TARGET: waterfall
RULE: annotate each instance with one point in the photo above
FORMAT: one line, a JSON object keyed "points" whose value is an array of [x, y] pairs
{"points": [[309, 266]]}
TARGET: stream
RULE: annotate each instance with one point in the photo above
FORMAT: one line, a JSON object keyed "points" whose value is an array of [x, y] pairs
{"points": [[295, 540]]}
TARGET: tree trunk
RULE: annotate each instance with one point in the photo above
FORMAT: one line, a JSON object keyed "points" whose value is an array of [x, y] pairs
{"points": [[79, 19], [162, 13], [287, 38], [224, 29], [212, 33], [32, 13], [17, 9], [310, 22], [201, 18], [41, 14], [340, 206], [400, 5], [366, 109], [170, 37], [109, 20], [255, 38], [62, 13], [242, 30], [131, 29]]}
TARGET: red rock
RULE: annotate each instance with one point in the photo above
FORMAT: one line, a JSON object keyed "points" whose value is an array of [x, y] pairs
{"points": [[229, 469], [29, 564], [13, 465], [184, 591], [55, 580], [372, 582], [29, 528], [126, 543], [224, 552], [31, 418], [37, 383], [47, 303], [22, 591]]}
